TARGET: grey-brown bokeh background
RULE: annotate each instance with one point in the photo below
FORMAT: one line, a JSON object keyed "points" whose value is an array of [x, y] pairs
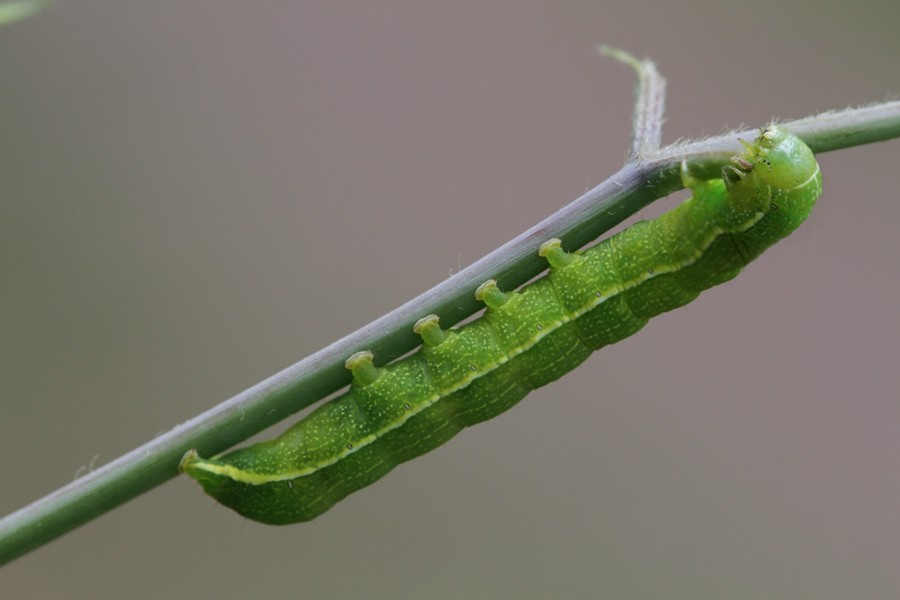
{"points": [[197, 194]]}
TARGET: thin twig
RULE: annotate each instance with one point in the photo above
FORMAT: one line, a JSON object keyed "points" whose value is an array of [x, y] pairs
{"points": [[649, 104]]}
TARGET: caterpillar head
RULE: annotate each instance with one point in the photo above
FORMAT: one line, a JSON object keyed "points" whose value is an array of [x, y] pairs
{"points": [[776, 159]]}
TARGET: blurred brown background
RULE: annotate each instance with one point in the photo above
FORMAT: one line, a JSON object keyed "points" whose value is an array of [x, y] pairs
{"points": [[197, 194]]}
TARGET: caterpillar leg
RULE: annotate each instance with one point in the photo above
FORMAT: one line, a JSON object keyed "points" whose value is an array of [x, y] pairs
{"points": [[693, 183]]}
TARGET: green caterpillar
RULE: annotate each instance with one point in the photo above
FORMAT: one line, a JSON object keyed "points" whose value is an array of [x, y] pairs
{"points": [[525, 340]]}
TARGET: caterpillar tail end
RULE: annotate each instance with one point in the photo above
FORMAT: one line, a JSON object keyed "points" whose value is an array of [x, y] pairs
{"points": [[280, 502], [186, 460], [192, 465], [209, 474]]}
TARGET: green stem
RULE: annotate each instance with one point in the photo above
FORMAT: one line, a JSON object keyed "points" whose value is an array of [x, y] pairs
{"points": [[638, 183]]}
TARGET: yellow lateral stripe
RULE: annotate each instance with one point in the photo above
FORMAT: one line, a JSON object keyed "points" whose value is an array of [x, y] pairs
{"points": [[253, 478]]}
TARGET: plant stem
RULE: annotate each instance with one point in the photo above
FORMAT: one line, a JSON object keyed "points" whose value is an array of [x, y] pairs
{"points": [[650, 102], [646, 177]]}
